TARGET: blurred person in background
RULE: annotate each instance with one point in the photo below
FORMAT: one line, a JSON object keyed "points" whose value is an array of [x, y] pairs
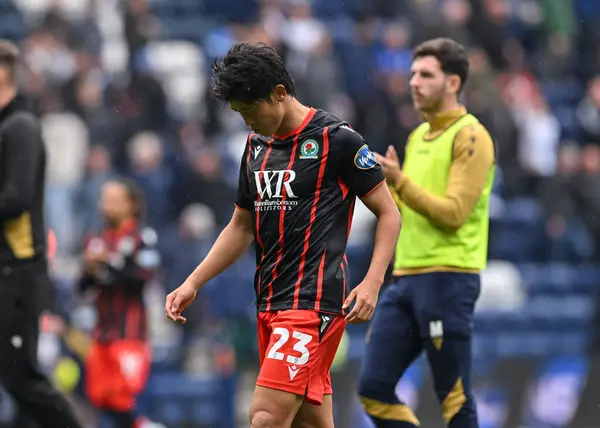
{"points": [[207, 173], [443, 191], [587, 192], [588, 113], [558, 192], [98, 171], [482, 95], [118, 262], [569, 216], [181, 248], [539, 138], [151, 172], [452, 22], [67, 139], [24, 279]]}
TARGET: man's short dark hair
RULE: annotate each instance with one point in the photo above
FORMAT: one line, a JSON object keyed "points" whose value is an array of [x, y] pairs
{"points": [[249, 73], [451, 55], [9, 56]]}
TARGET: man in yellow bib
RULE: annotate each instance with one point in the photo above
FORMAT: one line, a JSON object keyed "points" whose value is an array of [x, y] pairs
{"points": [[443, 191]]}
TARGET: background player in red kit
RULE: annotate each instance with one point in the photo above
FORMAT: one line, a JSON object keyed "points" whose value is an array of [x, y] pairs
{"points": [[118, 263], [296, 195]]}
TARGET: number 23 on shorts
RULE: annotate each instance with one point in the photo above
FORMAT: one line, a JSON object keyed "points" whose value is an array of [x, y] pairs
{"points": [[299, 348], [288, 360]]}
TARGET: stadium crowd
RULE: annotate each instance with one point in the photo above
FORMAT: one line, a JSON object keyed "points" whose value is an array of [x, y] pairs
{"points": [[122, 89]]}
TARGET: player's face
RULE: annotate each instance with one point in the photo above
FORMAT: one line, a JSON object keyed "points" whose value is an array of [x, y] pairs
{"points": [[263, 117], [115, 203], [5, 78], [428, 84]]}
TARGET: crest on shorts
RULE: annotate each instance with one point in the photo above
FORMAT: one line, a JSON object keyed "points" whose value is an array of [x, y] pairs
{"points": [[309, 150], [436, 332]]}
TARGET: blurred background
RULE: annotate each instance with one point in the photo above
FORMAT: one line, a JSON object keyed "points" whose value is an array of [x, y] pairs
{"points": [[121, 87]]}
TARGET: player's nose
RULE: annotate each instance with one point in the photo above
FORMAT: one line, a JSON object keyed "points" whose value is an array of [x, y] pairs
{"points": [[414, 81]]}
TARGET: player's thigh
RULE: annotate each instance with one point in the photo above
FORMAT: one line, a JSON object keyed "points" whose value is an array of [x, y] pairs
{"points": [[273, 408], [315, 416], [444, 303], [102, 374], [392, 344]]}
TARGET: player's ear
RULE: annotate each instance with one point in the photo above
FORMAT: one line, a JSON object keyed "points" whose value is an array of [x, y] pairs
{"points": [[453, 84], [279, 93]]}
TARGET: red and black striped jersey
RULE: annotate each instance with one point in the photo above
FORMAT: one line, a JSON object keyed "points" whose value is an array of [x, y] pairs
{"points": [[301, 189], [131, 261]]}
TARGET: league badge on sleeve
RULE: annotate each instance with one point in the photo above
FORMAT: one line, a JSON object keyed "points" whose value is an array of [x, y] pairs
{"points": [[364, 158], [309, 150]]}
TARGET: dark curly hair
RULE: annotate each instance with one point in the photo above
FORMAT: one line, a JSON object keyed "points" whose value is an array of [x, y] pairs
{"points": [[249, 72]]}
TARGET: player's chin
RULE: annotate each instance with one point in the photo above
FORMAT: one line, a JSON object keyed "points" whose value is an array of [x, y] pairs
{"points": [[419, 105], [110, 219], [264, 131]]}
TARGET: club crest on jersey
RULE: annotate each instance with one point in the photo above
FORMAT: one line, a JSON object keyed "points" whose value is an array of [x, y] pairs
{"points": [[364, 158], [309, 150]]}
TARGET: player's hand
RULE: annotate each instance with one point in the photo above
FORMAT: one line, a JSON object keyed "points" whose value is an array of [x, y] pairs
{"points": [[90, 267], [96, 257], [178, 300], [91, 264], [390, 165], [365, 294]]}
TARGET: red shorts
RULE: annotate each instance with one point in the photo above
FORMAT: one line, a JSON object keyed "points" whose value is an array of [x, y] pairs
{"points": [[296, 350], [116, 372]]}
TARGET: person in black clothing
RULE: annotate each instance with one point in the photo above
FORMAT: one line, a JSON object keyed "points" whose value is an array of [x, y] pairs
{"points": [[24, 279], [300, 175]]}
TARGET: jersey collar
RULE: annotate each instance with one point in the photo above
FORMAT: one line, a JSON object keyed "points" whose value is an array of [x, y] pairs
{"points": [[443, 120], [125, 228], [299, 129]]}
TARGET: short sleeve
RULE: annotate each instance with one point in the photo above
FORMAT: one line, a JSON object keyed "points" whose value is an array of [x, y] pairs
{"points": [[244, 199], [358, 168]]}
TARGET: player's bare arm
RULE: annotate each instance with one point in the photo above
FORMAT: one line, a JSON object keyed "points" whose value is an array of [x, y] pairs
{"points": [[227, 249], [380, 203]]}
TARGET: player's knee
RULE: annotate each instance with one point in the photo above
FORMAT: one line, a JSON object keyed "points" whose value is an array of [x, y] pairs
{"points": [[374, 387], [23, 388], [263, 419]]}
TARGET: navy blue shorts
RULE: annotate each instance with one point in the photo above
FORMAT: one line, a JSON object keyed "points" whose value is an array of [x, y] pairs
{"points": [[438, 300]]}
